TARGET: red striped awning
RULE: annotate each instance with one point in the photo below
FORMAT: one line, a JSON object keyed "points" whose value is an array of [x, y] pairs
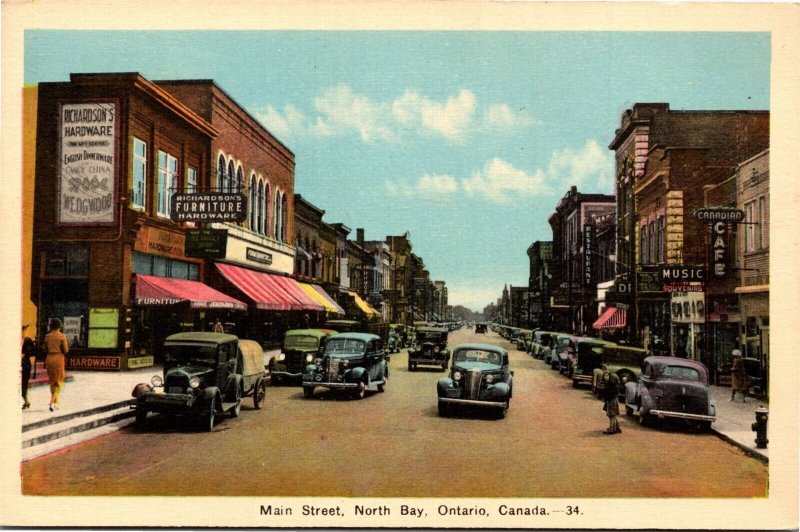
{"points": [[159, 291], [612, 318], [260, 287], [293, 289]]}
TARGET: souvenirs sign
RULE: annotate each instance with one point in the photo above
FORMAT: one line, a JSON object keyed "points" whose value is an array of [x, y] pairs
{"points": [[87, 163]]}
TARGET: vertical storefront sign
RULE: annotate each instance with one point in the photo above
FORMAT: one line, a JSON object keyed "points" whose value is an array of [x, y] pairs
{"points": [[719, 248], [588, 248], [87, 163]]}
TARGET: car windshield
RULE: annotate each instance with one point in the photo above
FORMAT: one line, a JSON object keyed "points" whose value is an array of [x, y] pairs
{"points": [[300, 342], [563, 343], [191, 354], [477, 355], [681, 372], [428, 337], [345, 346]]}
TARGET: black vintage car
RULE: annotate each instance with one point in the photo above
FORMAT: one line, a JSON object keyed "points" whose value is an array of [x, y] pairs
{"points": [[300, 347], [203, 377], [351, 362], [430, 349], [671, 387], [480, 328], [479, 376]]}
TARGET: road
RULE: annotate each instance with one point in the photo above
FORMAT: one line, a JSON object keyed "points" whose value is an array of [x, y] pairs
{"points": [[394, 444]]}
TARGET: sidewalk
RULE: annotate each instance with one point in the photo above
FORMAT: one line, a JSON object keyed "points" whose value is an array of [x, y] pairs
{"points": [[735, 419], [98, 402]]}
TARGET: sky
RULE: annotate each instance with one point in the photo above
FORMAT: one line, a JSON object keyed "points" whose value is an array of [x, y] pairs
{"points": [[465, 140]]}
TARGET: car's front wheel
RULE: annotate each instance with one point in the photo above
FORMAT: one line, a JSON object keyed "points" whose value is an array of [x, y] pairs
{"points": [[361, 390], [503, 412], [308, 391], [237, 408], [141, 415], [208, 419], [444, 409]]}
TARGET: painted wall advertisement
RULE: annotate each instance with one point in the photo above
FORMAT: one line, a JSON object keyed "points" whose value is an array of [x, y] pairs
{"points": [[87, 163]]}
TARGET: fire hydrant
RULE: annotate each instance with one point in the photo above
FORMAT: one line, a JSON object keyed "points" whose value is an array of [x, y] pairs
{"points": [[760, 427]]}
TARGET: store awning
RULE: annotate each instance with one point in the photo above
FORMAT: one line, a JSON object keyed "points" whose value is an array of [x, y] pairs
{"points": [[260, 287], [152, 290], [292, 287], [612, 318], [319, 295], [363, 305]]}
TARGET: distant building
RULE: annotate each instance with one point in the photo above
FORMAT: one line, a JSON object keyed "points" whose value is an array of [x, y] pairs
{"points": [[540, 257]]}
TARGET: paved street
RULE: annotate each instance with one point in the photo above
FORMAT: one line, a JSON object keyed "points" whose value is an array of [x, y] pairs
{"points": [[394, 444]]}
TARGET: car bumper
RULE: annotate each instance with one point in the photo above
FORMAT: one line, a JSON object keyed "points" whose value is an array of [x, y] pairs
{"points": [[582, 378], [431, 361], [472, 402], [168, 402], [335, 385], [682, 415], [279, 373]]}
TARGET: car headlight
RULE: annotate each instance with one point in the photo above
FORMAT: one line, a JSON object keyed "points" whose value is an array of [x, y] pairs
{"points": [[194, 382], [309, 358], [156, 381], [457, 376], [489, 379], [624, 379], [318, 361], [436, 349], [281, 357], [345, 363]]}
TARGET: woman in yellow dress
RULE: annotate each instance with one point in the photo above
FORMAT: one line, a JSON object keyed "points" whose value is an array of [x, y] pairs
{"points": [[56, 347]]}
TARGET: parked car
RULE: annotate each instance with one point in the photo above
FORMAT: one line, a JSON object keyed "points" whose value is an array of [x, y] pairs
{"points": [[540, 345], [300, 347], [351, 362], [582, 343], [513, 335], [588, 357], [558, 350], [203, 377], [480, 328], [430, 350], [396, 340], [524, 339], [671, 387], [479, 376], [623, 361]]}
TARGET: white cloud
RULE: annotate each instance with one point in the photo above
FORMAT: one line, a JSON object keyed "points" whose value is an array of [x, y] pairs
{"points": [[340, 111], [589, 168]]}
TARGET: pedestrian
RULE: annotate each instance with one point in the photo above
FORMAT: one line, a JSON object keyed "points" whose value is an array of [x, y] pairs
{"points": [[739, 379], [610, 397], [218, 327], [28, 352], [55, 348]]}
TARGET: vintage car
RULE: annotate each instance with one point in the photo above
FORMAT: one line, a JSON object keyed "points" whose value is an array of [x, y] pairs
{"points": [[623, 361], [558, 351], [345, 326], [300, 347], [524, 339], [204, 376], [513, 335], [397, 337], [584, 343], [541, 342], [479, 376], [480, 328], [351, 362], [671, 387], [430, 349], [588, 357]]}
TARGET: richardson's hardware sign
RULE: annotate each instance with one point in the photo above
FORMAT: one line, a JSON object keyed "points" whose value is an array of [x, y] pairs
{"points": [[98, 362], [87, 163], [209, 207]]}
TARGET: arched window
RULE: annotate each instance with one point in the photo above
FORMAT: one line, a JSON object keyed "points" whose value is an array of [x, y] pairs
{"points": [[239, 180], [277, 216], [652, 234], [265, 205], [231, 177], [253, 203], [308, 271], [283, 218], [221, 173], [260, 202], [643, 245]]}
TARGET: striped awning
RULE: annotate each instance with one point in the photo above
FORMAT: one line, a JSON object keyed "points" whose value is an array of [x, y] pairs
{"points": [[157, 291], [363, 305], [266, 290], [612, 318], [321, 297]]}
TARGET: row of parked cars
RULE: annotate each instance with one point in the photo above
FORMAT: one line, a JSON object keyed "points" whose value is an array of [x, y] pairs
{"points": [[653, 387]]}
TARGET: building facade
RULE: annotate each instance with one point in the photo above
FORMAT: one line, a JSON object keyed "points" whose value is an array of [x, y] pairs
{"points": [[540, 256]]}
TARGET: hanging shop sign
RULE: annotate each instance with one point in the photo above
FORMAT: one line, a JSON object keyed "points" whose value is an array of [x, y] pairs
{"points": [[588, 248], [206, 243], [719, 248], [208, 207], [682, 278], [719, 214], [87, 164]]}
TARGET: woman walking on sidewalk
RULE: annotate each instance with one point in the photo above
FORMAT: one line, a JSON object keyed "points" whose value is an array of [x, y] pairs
{"points": [[56, 347], [611, 402], [739, 380]]}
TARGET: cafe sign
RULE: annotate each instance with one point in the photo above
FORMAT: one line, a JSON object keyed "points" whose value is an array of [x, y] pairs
{"points": [[208, 207], [87, 163]]}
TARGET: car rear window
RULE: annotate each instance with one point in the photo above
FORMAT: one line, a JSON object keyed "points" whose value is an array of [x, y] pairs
{"points": [[681, 372]]}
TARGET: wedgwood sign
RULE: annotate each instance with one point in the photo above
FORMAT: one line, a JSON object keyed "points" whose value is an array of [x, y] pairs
{"points": [[209, 207], [87, 163]]}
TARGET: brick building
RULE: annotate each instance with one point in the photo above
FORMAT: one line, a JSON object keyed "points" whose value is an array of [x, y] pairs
{"points": [[540, 256]]}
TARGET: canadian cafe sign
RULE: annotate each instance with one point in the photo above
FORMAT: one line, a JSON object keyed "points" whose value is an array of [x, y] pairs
{"points": [[87, 163]]}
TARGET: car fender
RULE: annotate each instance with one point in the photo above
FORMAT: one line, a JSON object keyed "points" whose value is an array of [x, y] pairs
{"points": [[645, 400], [499, 391], [443, 384], [208, 394], [630, 393], [141, 389], [355, 375]]}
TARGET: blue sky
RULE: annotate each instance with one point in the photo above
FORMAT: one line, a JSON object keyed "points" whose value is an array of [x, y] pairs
{"points": [[465, 139]]}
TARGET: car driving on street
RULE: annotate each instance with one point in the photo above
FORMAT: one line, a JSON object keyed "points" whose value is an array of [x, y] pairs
{"points": [[479, 377]]}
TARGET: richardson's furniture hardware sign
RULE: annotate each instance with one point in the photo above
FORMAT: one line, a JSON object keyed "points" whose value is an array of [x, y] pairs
{"points": [[87, 163]]}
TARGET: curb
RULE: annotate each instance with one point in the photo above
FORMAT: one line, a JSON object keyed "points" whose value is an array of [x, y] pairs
{"points": [[69, 429], [750, 451]]}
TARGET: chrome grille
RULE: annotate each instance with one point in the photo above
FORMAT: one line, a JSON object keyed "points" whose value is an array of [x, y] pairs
{"points": [[472, 383], [180, 380], [333, 369]]}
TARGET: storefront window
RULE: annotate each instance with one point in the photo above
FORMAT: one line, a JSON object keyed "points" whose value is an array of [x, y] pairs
{"points": [[66, 260], [160, 267], [179, 269], [167, 181], [164, 267]]}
